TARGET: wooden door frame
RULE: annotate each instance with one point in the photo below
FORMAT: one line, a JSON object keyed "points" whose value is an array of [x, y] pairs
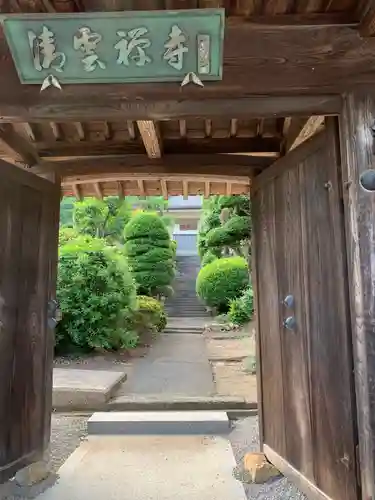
{"points": [[363, 434]]}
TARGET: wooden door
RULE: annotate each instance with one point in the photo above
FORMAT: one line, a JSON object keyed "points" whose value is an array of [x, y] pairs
{"points": [[306, 372], [29, 208]]}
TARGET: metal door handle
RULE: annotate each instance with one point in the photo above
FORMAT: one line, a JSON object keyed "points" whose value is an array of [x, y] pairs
{"points": [[290, 323]]}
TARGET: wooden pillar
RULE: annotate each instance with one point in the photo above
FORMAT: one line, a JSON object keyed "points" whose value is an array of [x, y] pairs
{"points": [[358, 156]]}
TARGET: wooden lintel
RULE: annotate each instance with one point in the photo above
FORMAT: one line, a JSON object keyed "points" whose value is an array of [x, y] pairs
{"points": [[180, 164], [76, 188], [164, 188], [114, 109], [302, 21], [185, 189], [151, 138], [170, 146], [98, 190], [303, 130], [18, 149]]}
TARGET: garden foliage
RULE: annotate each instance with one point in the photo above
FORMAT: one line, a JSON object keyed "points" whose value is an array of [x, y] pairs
{"points": [[241, 309]]}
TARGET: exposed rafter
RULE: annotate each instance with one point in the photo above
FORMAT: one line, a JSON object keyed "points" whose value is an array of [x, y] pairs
{"points": [[366, 16], [164, 188], [76, 188], [16, 148], [301, 129], [150, 134], [185, 189], [98, 190]]}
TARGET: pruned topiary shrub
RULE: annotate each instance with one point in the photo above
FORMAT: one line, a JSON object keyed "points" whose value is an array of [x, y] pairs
{"points": [[150, 253], [222, 281], [241, 310], [153, 311], [96, 293], [208, 257]]}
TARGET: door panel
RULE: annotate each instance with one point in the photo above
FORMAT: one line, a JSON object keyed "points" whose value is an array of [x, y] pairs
{"points": [[29, 209], [293, 342], [307, 260]]}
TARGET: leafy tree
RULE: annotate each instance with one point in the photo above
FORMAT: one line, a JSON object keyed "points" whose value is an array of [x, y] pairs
{"points": [[225, 226], [102, 218], [66, 211], [150, 253]]}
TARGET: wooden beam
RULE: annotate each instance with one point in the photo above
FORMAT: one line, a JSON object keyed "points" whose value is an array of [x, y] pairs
{"points": [[208, 128], [48, 6], [183, 129], [303, 21], [233, 127], [164, 188], [366, 15], [207, 189], [56, 130], [121, 189], [80, 131], [181, 164], [141, 187], [131, 129], [170, 146], [228, 189], [18, 149], [302, 129], [185, 189], [107, 130], [98, 190], [76, 188], [247, 107], [29, 131], [150, 134]]}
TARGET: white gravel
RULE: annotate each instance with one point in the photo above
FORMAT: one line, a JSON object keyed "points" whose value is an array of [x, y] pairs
{"points": [[244, 438]]}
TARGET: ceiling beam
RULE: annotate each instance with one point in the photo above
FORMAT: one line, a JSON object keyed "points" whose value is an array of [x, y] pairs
{"points": [[185, 189], [151, 138], [180, 164], [170, 146], [303, 129], [98, 190], [164, 188], [114, 109], [17, 148]]}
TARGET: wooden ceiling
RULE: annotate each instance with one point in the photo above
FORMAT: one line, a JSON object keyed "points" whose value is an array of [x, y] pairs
{"points": [[285, 64]]}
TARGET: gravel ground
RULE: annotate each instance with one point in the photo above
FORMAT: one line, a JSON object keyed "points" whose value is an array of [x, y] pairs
{"points": [[244, 438]]}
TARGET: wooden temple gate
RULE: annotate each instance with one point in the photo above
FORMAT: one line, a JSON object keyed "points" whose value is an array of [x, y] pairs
{"points": [[293, 121]]}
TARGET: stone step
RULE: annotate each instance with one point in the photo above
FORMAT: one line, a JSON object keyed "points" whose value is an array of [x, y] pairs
{"points": [[158, 423]]}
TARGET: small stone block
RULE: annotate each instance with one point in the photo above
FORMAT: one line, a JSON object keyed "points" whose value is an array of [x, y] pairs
{"points": [[159, 423], [258, 469]]}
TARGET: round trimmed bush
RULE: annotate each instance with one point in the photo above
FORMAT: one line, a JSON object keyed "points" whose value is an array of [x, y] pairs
{"points": [[241, 310], [96, 294], [146, 225], [222, 281], [237, 228]]}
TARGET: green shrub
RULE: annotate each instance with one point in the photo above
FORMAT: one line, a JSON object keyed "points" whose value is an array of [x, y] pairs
{"points": [[97, 297], [150, 253], [241, 309], [208, 257], [174, 248], [221, 281], [236, 229], [147, 225], [153, 310]]}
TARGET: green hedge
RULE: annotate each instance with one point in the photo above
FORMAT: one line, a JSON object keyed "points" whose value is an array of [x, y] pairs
{"points": [[96, 293], [221, 281], [236, 229], [241, 310], [147, 225]]}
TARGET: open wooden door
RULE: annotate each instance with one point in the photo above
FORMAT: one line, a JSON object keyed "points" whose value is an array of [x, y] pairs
{"points": [[305, 356], [29, 210]]}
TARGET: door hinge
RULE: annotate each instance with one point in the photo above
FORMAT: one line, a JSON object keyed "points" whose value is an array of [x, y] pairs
{"points": [[358, 466]]}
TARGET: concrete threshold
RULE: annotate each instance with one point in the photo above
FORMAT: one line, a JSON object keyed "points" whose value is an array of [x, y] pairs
{"points": [[159, 423]]}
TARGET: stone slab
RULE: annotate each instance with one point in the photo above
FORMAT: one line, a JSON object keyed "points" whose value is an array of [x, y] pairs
{"points": [[81, 389], [165, 402], [159, 423], [149, 468]]}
